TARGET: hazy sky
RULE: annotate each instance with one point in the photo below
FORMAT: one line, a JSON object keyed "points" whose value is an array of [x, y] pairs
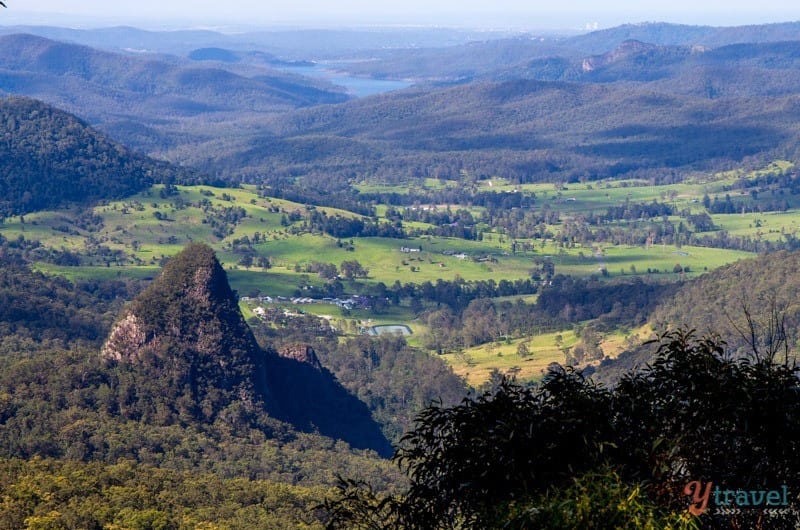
{"points": [[530, 14]]}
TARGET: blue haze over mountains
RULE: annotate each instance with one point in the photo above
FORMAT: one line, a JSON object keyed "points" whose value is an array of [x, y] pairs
{"points": [[506, 102]]}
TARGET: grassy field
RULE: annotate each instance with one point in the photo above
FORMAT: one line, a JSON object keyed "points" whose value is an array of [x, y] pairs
{"points": [[476, 364], [139, 232], [131, 238], [767, 226], [147, 227]]}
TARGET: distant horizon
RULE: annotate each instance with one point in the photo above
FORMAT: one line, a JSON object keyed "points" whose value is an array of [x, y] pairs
{"points": [[571, 16], [80, 23]]}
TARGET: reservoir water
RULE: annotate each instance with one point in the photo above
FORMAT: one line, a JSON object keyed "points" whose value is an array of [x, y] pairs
{"points": [[356, 86]]}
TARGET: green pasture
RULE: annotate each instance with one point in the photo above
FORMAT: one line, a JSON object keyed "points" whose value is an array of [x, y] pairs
{"points": [[112, 272], [131, 227], [770, 226], [476, 364]]}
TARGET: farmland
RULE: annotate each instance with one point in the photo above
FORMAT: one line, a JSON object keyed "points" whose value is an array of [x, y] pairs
{"points": [[270, 246]]}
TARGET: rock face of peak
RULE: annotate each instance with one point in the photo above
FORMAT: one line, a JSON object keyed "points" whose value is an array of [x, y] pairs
{"points": [[302, 353], [185, 344], [186, 327], [190, 305], [625, 50]]}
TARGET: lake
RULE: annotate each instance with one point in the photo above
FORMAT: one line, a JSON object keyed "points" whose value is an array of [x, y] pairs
{"points": [[356, 86]]}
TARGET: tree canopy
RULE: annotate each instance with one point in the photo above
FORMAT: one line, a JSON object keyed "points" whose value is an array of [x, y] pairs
{"points": [[556, 455]]}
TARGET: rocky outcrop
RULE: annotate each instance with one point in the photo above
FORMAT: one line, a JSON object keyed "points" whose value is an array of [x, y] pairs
{"points": [[185, 338], [127, 341], [186, 333], [302, 353], [627, 49]]}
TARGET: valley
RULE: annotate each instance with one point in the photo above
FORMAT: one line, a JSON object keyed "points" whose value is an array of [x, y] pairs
{"points": [[249, 267], [271, 248]]}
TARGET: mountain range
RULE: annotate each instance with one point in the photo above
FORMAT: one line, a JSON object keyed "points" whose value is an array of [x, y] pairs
{"points": [[647, 100], [144, 100]]}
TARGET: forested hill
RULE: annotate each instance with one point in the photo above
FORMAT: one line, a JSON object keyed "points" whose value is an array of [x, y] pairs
{"points": [[766, 288], [149, 101], [549, 57], [717, 301], [104, 83], [526, 130], [49, 158]]}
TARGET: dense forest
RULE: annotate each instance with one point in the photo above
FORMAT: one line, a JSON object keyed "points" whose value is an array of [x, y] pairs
{"points": [[50, 159], [163, 410], [771, 286], [537, 133]]}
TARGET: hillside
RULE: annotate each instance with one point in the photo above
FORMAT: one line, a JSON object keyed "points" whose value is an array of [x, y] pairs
{"points": [[139, 99], [34, 64], [49, 159], [665, 34], [771, 285], [737, 70], [524, 130], [752, 302], [487, 58]]}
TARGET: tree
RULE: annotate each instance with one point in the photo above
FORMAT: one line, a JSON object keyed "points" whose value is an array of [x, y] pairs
{"points": [[467, 463], [555, 456], [353, 269]]}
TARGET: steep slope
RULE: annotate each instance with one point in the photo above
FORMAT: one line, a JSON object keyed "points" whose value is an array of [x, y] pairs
{"points": [[186, 327], [49, 158], [186, 338]]}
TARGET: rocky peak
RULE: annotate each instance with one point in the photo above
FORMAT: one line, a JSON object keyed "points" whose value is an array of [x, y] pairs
{"points": [[187, 333], [302, 353], [186, 344], [627, 49], [190, 305]]}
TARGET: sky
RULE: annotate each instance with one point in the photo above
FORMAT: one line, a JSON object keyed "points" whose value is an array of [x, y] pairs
{"points": [[519, 14]]}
